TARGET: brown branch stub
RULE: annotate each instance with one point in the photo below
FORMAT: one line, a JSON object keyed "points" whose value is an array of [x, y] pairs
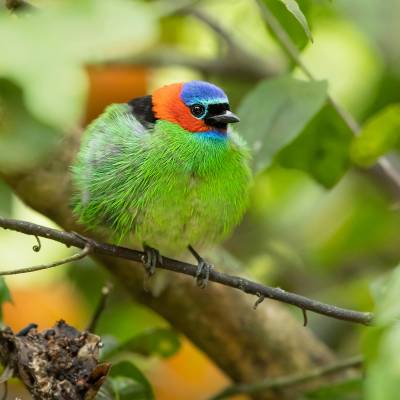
{"points": [[60, 363], [245, 285], [101, 306]]}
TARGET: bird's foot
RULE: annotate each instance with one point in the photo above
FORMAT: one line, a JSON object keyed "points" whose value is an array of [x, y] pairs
{"points": [[88, 241], [151, 259], [203, 269]]}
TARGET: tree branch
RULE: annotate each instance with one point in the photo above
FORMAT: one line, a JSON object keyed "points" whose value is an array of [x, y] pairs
{"points": [[290, 380], [245, 285], [24, 270], [247, 346]]}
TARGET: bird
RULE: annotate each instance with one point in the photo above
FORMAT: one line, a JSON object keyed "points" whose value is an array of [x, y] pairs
{"points": [[167, 170]]}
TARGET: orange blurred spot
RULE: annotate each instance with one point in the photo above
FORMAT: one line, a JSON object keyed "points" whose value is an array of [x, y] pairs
{"points": [[188, 375], [114, 84], [44, 306]]}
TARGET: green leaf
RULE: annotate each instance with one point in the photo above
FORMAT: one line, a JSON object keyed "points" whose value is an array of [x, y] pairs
{"points": [[383, 371], [276, 112], [293, 7], [129, 383], [347, 390], [158, 341], [43, 82], [21, 132], [385, 292], [5, 295], [322, 149], [292, 16], [380, 134], [63, 36]]}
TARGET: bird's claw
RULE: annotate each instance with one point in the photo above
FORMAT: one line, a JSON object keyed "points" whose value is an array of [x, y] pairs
{"points": [[88, 241], [151, 259], [203, 273]]}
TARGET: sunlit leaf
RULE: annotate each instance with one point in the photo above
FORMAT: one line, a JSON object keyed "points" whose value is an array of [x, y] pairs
{"points": [[386, 294], [276, 112], [322, 149], [380, 134], [382, 344], [293, 7]]}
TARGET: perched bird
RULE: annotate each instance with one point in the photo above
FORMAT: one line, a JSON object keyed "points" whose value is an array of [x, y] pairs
{"points": [[166, 168]]}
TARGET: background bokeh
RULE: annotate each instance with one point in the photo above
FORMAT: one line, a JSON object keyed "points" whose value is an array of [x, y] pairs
{"points": [[329, 244]]}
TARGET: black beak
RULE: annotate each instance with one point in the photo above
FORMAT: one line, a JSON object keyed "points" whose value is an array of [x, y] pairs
{"points": [[228, 117]]}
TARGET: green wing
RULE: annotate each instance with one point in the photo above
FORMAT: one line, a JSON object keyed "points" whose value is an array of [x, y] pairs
{"points": [[104, 176]]}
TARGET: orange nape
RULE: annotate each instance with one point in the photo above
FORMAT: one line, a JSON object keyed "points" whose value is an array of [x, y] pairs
{"points": [[168, 105]]}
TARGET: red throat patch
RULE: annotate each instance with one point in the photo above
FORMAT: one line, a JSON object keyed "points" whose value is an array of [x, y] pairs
{"points": [[168, 105]]}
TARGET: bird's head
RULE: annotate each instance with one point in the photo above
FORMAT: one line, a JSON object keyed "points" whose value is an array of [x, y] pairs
{"points": [[196, 106]]}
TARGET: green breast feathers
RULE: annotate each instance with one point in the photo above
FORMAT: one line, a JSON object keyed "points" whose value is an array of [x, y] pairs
{"points": [[166, 186]]}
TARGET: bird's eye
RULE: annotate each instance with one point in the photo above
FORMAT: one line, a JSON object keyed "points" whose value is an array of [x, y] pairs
{"points": [[197, 110]]}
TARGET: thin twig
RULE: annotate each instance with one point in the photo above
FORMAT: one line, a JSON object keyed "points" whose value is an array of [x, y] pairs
{"points": [[24, 270], [288, 45], [105, 293], [245, 285], [289, 380], [37, 247], [305, 317]]}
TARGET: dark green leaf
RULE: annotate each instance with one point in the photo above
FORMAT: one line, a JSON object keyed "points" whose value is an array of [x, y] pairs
{"points": [[130, 383], [5, 295], [276, 112], [347, 390], [293, 7], [160, 342], [322, 149], [290, 18], [380, 134], [20, 131]]}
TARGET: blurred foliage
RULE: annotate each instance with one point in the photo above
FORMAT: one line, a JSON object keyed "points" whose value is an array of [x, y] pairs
{"points": [[315, 225], [382, 342], [275, 112], [380, 134], [324, 145], [157, 341], [44, 82]]}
